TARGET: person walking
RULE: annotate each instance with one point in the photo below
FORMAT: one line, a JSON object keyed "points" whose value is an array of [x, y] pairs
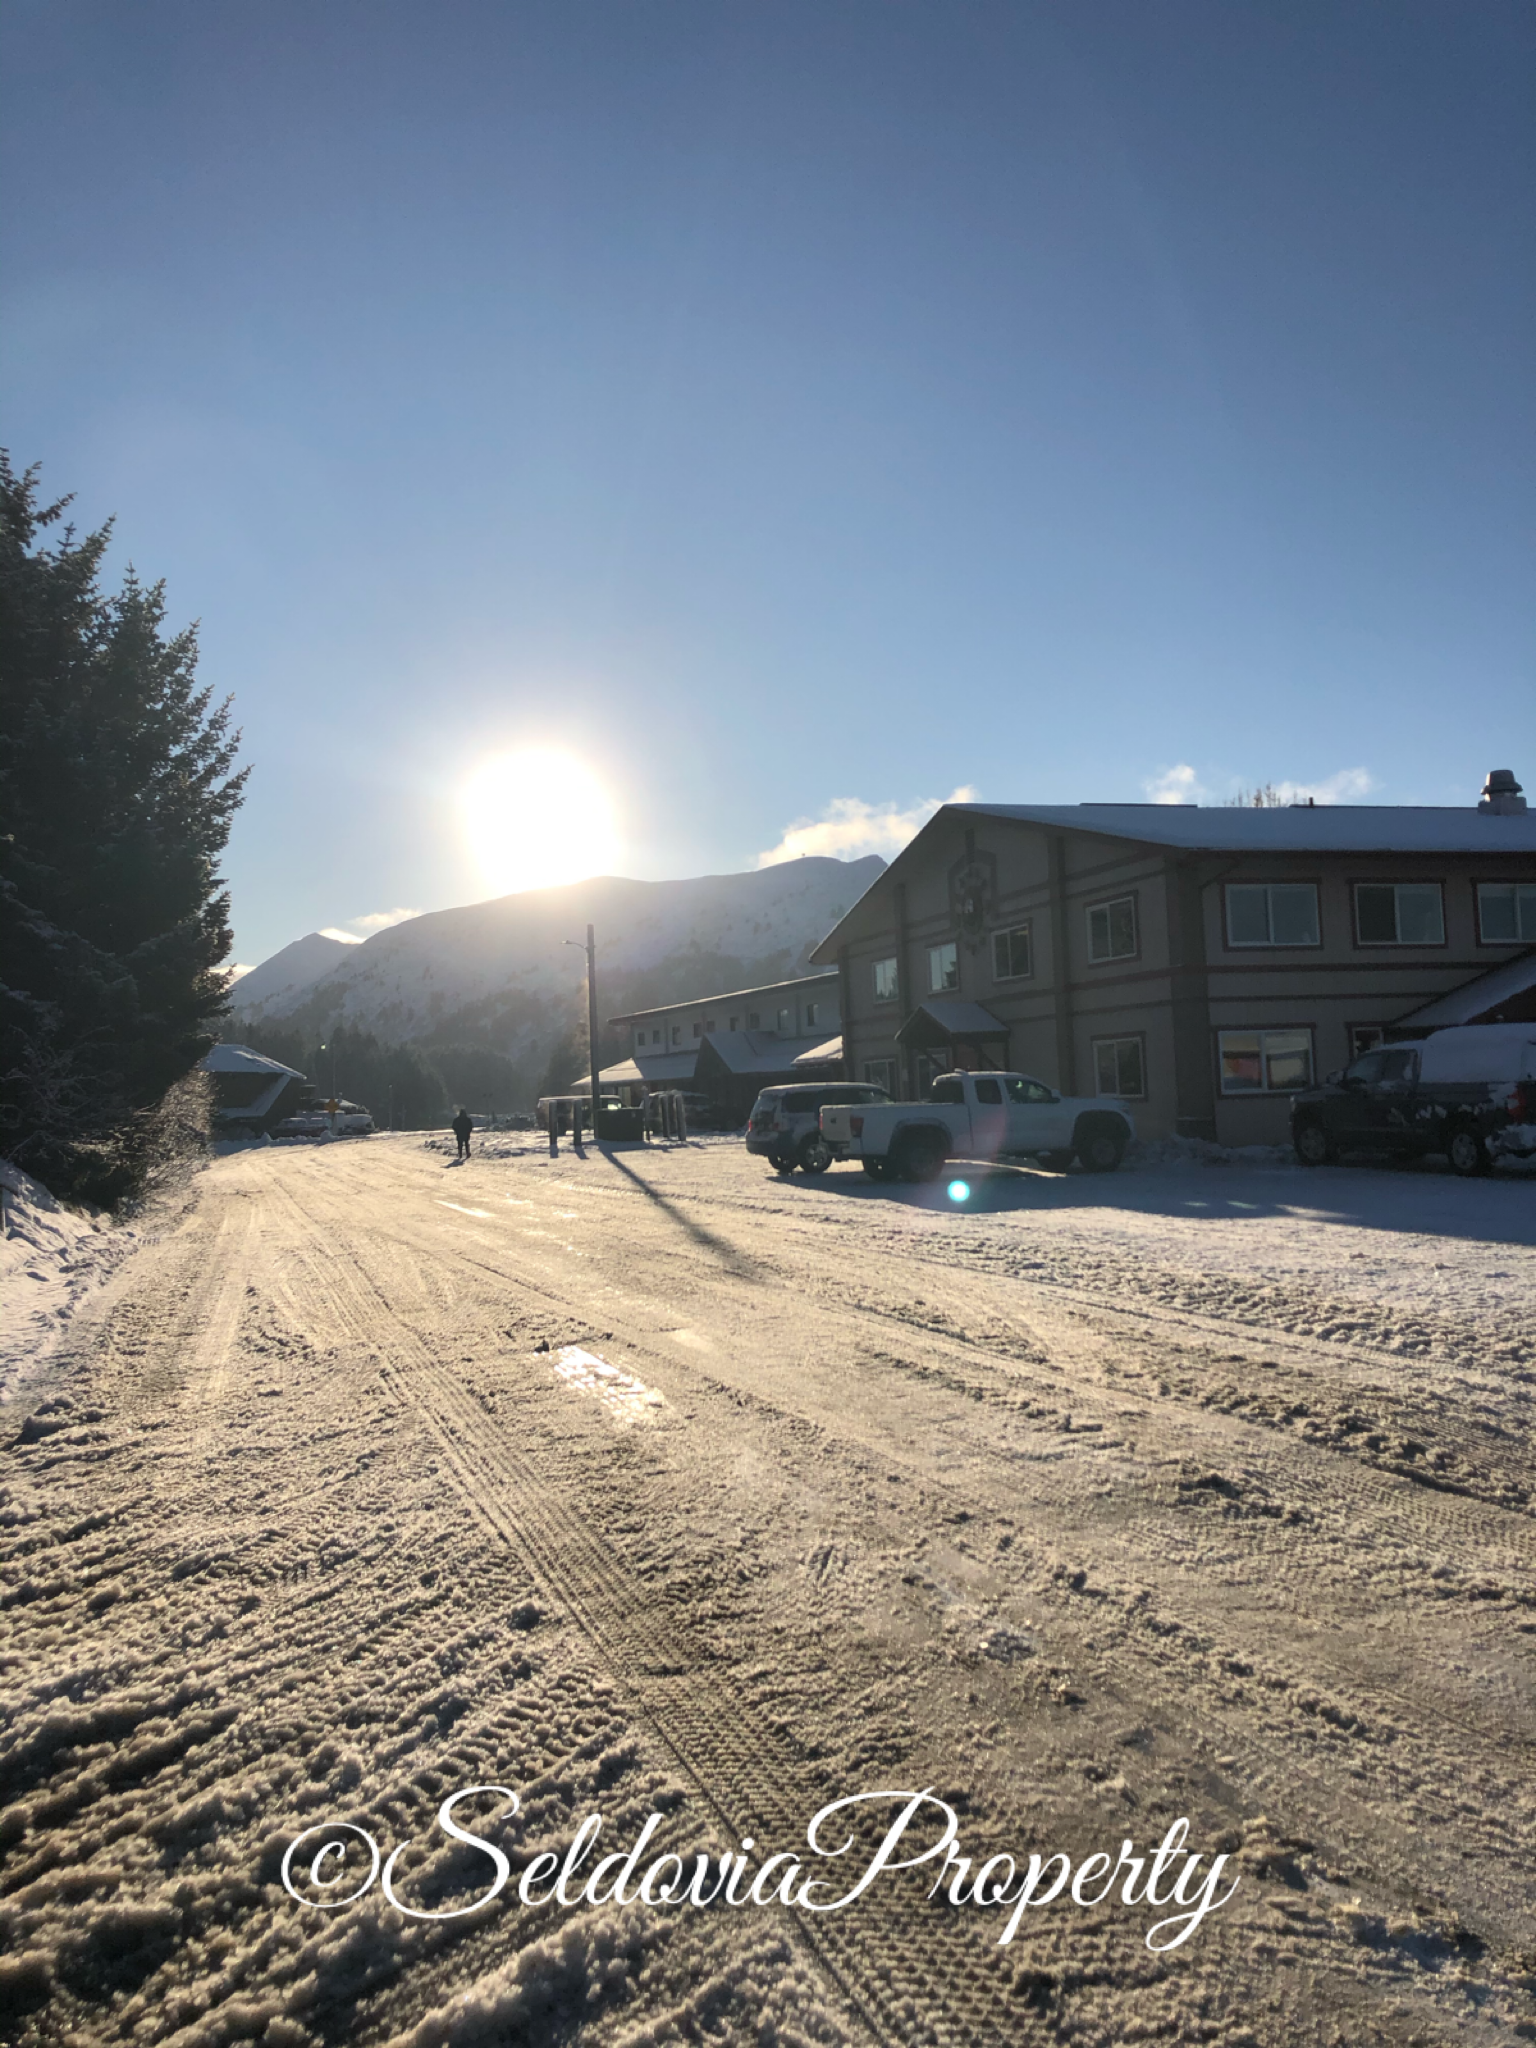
{"points": [[461, 1127]]}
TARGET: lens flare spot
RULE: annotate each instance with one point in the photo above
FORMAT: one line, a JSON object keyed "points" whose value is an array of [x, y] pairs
{"points": [[959, 1191]]}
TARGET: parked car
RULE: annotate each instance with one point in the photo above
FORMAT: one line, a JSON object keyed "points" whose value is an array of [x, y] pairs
{"points": [[308, 1123], [1469, 1092], [982, 1116], [785, 1124]]}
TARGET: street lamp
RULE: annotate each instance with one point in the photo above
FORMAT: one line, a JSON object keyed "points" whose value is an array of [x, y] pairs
{"points": [[591, 953]]}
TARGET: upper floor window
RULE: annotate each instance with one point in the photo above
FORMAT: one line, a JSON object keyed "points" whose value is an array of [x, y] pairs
{"points": [[1506, 913], [812, 1010], [1112, 929], [1012, 957], [677, 1034], [698, 1028], [885, 980], [754, 1020], [1272, 914], [943, 967], [783, 1024], [735, 1024], [1399, 914]]}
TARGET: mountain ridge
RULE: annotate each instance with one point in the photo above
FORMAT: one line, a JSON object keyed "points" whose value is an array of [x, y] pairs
{"points": [[499, 975]]}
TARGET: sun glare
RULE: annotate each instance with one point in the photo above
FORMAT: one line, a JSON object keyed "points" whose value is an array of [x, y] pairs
{"points": [[537, 818]]}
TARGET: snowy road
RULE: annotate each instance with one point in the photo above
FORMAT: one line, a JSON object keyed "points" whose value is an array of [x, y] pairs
{"points": [[646, 1483]]}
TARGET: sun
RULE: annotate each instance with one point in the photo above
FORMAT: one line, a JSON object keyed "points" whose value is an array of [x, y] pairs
{"points": [[536, 818]]}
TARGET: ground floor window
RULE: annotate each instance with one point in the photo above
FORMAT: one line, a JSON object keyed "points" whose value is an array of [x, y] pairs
{"points": [[1265, 1062], [1363, 1036], [882, 1073], [1120, 1066]]}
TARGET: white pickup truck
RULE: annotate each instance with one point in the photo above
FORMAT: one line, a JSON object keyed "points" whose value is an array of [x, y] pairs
{"points": [[978, 1116]]}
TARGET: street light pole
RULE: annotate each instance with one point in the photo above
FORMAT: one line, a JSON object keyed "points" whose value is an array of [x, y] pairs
{"points": [[591, 953]]}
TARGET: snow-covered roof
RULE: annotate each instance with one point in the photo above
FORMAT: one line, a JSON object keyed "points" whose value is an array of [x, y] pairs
{"points": [[655, 1069], [240, 1059], [950, 1018], [735, 995], [819, 1055], [1476, 999], [1298, 828], [756, 1052]]}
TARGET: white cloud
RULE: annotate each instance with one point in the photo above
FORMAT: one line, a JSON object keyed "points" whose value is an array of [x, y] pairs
{"points": [[1347, 786], [1178, 785], [364, 927], [239, 970], [381, 920], [1182, 785], [849, 828]]}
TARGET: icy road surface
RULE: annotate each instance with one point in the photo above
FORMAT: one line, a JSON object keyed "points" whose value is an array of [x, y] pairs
{"points": [[649, 1484]]}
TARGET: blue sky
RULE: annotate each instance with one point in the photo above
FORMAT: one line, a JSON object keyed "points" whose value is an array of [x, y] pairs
{"points": [[799, 407]]}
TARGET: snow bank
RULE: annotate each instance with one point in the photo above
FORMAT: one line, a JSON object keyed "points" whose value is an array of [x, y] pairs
{"points": [[51, 1257]]}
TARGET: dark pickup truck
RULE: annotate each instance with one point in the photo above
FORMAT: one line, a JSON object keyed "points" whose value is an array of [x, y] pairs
{"points": [[1469, 1092]]}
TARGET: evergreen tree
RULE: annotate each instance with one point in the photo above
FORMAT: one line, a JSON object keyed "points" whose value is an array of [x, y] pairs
{"points": [[117, 788]]}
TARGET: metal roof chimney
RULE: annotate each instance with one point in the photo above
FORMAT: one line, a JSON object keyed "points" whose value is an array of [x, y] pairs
{"points": [[1501, 793]]}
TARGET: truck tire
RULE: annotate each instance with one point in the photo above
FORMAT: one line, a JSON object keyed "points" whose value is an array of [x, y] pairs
{"points": [[875, 1168], [1100, 1144], [1467, 1152], [780, 1163], [1313, 1145], [921, 1157], [815, 1153]]}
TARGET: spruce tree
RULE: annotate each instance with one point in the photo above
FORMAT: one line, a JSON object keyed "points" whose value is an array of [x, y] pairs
{"points": [[117, 789]]}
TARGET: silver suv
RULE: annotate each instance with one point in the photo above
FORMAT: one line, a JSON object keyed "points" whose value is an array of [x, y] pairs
{"points": [[785, 1124]]}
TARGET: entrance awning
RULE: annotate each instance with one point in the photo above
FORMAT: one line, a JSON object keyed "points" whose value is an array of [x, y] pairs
{"points": [[943, 1021]]}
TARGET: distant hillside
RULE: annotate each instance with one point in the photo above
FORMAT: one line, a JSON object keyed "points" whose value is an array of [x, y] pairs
{"points": [[285, 977], [497, 976]]}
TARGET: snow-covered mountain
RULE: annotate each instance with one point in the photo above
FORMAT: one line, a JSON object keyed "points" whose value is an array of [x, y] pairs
{"points": [[283, 980], [499, 974]]}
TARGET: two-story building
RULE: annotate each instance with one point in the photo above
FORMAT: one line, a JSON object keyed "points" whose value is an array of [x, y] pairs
{"points": [[729, 1046], [1201, 963]]}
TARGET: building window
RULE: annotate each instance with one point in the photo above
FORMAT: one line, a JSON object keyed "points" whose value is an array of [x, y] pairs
{"points": [[754, 1020], [783, 1024], [639, 1040], [1363, 1037], [1399, 914], [882, 1073], [1112, 930], [1012, 957], [735, 1024], [1119, 1066], [885, 980], [943, 968], [1272, 914], [1506, 913], [1265, 1062], [698, 1028], [677, 1034], [810, 1016]]}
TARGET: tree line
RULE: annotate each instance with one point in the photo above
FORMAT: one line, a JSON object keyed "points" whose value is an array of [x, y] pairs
{"points": [[118, 786]]}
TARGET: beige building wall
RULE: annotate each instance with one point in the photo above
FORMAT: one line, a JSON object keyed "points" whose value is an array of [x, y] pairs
{"points": [[1186, 983]]}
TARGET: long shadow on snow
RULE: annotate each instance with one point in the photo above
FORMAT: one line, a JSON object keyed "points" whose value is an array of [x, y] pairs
{"points": [[1423, 1198]]}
